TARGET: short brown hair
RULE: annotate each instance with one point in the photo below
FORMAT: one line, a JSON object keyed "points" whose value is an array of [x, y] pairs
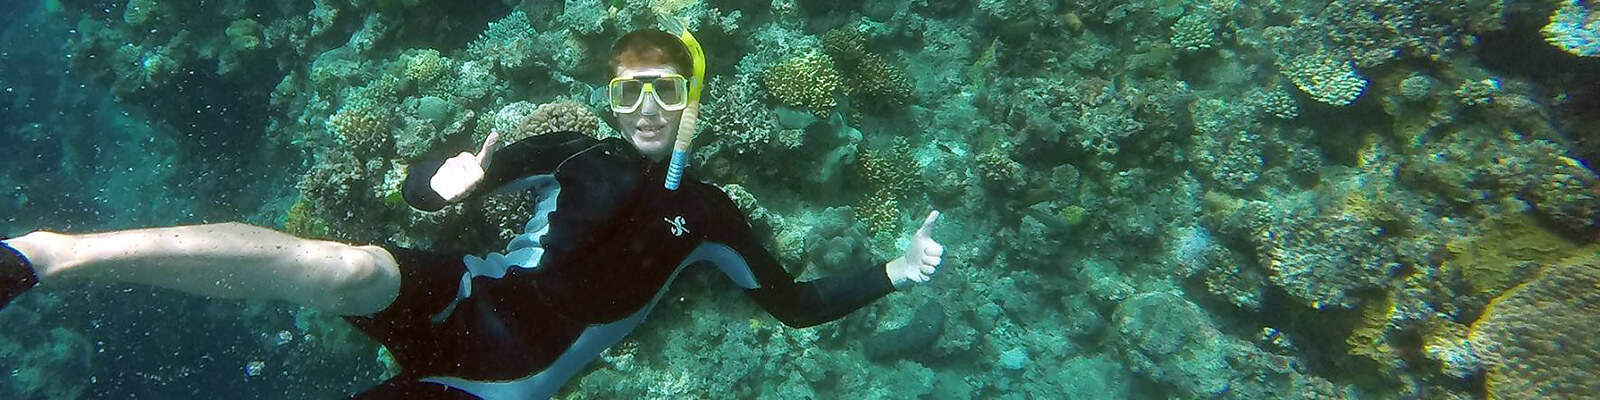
{"points": [[650, 47]]}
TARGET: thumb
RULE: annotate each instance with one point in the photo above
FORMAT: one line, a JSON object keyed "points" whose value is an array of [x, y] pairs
{"points": [[927, 224], [487, 153]]}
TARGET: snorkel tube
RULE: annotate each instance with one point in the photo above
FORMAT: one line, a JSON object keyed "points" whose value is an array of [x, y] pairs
{"points": [[691, 114]]}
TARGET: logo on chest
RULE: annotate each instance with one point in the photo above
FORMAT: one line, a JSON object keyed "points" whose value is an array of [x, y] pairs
{"points": [[676, 225]]}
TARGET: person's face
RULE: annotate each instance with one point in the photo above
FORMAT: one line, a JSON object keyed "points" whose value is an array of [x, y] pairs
{"points": [[651, 129]]}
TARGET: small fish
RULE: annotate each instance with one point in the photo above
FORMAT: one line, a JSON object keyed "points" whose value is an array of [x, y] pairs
{"points": [[950, 150], [597, 95]]}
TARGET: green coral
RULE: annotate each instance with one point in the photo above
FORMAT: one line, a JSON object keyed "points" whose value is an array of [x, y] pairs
{"points": [[301, 220], [244, 34], [808, 81], [1537, 340]]}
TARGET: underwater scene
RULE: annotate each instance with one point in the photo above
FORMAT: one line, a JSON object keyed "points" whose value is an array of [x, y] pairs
{"points": [[1147, 199]]}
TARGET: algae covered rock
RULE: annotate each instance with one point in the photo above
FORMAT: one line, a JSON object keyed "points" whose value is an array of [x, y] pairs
{"points": [[918, 334], [1169, 340]]}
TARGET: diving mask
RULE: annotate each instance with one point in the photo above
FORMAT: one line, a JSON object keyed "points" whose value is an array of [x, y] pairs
{"points": [[670, 91]]}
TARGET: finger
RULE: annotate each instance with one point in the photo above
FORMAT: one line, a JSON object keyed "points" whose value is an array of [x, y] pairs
{"points": [[915, 277], [933, 250], [929, 270], [930, 260], [485, 154], [927, 224]]}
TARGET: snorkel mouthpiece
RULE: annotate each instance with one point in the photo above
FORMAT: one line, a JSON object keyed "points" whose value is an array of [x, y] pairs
{"points": [[691, 114]]}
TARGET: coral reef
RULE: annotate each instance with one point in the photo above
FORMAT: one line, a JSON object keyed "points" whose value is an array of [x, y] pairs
{"points": [[1237, 199]]}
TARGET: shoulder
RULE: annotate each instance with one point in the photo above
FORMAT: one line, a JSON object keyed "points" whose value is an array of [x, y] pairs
{"points": [[727, 201]]}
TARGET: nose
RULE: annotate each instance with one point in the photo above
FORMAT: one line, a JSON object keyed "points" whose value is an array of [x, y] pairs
{"points": [[649, 106]]}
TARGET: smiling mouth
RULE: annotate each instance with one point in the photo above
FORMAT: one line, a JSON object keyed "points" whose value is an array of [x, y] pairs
{"points": [[650, 131]]}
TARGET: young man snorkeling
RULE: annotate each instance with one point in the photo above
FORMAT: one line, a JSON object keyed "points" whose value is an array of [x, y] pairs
{"points": [[615, 222]]}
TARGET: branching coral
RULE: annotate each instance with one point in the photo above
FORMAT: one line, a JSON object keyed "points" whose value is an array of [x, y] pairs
{"points": [[808, 81], [891, 175], [507, 43], [845, 44], [1194, 32], [365, 128], [877, 83]]}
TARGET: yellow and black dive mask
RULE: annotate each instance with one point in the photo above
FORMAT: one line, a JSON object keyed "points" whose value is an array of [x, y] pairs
{"points": [[670, 91]]}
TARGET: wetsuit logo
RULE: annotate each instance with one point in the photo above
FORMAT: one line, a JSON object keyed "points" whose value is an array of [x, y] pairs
{"points": [[676, 225]]}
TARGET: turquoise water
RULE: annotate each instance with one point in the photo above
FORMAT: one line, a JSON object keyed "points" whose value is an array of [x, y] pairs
{"points": [[1148, 199]]}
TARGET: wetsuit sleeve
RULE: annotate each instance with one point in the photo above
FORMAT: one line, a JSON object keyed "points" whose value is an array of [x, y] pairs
{"points": [[797, 304], [530, 156]]}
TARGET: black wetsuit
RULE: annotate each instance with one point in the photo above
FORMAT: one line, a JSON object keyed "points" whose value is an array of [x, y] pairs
{"points": [[605, 242]]}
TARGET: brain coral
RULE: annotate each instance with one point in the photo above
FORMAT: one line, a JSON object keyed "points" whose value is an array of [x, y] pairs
{"points": [[1538, 341], [565, 115], [522, 119]]}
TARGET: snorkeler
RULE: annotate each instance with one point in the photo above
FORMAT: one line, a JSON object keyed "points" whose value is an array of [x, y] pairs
{"points": [[615, 222]]}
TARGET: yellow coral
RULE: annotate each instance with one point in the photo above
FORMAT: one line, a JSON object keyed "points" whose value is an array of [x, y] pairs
{"points": [[1443, 340], [879, 83], [1492, 260], [808, 81], [1537, 340], [846, 44], [880, 211], [1369, 339], [425, 66]]}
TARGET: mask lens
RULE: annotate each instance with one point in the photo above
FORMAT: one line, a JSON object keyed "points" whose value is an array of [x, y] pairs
{"points": [[625, 94], [672, 91]]}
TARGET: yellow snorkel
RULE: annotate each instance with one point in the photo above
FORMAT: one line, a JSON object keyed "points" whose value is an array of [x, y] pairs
{"points": [[691, 114]]}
